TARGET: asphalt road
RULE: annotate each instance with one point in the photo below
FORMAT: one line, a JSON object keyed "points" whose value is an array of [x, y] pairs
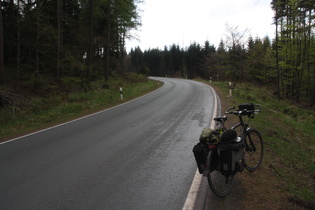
{"points": [[135, 156]]}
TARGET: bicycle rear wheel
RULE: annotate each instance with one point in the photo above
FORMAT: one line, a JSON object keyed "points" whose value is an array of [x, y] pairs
{"points": [[219, 183], [254, 150]]}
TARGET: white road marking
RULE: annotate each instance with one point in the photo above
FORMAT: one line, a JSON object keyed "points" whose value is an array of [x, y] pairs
{"points": [[194, 188], [30, 134]]}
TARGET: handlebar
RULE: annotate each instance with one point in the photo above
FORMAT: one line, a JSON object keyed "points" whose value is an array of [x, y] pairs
{"points": [[249, 112], [229, 110]]}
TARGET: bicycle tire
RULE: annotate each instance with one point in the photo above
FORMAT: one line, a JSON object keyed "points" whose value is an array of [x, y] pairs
{"points": [[254, 150], [219, 185]]}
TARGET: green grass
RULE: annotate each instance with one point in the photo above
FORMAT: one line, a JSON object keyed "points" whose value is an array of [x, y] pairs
{"points": [[288, 132], [40, 112]]}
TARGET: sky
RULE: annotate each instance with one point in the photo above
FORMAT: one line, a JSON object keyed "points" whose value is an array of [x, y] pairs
{"points": [[182, 22]]}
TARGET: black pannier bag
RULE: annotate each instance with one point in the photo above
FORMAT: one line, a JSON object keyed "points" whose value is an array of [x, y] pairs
{"points": [[230, 154], [228, 135], [200, 153], [247, 106], [230, 151]]}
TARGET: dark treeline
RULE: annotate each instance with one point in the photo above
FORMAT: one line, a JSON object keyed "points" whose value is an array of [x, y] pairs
{"points": [[45, 41], [238, 63], [286, 63]]}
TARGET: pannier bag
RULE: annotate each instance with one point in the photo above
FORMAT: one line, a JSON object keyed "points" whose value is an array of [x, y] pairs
{"points": [[208, 136], [230, 154], [200, 153], [228, 136], [247, 106]]}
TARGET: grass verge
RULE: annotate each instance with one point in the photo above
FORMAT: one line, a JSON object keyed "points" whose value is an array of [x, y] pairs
{"points": [[42, 112], [287, 176]]}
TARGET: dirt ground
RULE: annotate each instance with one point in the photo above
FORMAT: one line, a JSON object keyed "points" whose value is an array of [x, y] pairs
{"points": [[261, 188]]}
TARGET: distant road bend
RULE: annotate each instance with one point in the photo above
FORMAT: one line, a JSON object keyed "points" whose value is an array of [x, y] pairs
{"points": [[134, 156]]}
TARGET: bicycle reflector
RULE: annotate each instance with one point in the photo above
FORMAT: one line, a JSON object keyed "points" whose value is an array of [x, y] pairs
{"points": [[212, 146]]}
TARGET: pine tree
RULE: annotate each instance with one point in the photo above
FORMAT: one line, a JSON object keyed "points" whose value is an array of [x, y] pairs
{"points": [[1, 48]]}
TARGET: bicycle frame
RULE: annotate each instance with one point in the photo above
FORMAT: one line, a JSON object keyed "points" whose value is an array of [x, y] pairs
{"points": [[245, 128]]}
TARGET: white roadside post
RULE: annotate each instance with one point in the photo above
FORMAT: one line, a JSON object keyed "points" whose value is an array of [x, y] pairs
{"points": [[230, 88], [84, 57], [121, 93], [210, 79]]}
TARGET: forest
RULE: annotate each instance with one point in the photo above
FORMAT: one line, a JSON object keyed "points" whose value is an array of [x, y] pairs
{"points": [[285, 63], [44, 43]]}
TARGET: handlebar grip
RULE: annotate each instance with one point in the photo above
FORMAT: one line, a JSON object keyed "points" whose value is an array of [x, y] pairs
{"points": [[228, 111], [259, 107]]}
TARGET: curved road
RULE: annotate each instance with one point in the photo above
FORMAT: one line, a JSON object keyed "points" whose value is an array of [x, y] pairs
{"points": [[134, 156]]}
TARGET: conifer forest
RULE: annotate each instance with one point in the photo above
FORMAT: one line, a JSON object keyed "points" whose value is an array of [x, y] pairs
{"points": [[50, 40]]}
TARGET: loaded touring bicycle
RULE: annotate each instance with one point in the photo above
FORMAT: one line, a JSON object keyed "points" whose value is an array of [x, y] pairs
{"points": [[222, 152]]}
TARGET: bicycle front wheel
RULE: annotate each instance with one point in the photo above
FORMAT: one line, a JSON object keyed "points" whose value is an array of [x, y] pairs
{"points": [[219, 183], [254, 150]]}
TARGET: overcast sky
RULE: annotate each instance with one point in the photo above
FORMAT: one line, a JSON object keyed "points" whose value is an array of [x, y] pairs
{"points": [[167, 22]]}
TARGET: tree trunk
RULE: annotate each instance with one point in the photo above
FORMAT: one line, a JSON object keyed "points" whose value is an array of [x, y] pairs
{"points": [[37, 38], [313, 100], [122, 49], [108, 28], [58, 39], [1, 48], [277, 58], [311, 43], [18, 44], [90, 39]]}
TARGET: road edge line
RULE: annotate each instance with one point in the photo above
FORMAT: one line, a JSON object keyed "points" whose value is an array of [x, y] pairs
{"points": [[71, 121], [194, 188]]}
